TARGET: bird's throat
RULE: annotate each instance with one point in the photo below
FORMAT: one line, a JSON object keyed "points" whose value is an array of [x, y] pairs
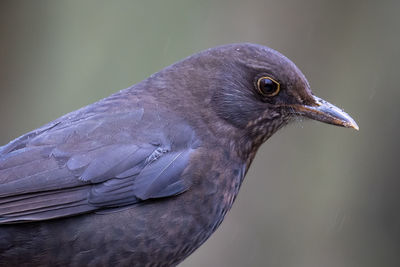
{"points": [[258, 132]]}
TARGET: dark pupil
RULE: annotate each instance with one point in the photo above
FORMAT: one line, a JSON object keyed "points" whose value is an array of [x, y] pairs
{"points": [[268, 86]]}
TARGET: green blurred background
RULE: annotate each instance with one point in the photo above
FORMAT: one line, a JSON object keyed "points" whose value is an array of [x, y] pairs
{"points": [[316, 195]]}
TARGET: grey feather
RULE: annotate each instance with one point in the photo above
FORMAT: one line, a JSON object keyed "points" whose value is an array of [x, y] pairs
{"points": [[85, 164]]}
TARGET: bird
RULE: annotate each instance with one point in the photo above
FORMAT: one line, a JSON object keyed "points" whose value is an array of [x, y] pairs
{"points": [[146, 175]]}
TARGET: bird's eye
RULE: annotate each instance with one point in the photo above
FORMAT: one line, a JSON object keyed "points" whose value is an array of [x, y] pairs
{"points": [[268, 86]]}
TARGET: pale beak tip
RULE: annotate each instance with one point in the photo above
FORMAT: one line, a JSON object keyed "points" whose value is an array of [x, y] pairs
{"points": [[352, 124]]}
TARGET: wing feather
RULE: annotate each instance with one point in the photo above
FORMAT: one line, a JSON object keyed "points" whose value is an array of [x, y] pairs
{"points": [[66, 169]]}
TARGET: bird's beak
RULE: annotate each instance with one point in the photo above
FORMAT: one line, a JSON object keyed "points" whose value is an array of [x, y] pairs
{"points": [[324, 111]]}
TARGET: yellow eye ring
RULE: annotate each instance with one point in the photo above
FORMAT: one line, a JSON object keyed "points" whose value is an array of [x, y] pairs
{"points": [[268, 86]]}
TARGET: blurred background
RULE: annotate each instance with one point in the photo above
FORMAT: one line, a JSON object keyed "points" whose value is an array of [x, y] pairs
{"points": [[316, 195]]}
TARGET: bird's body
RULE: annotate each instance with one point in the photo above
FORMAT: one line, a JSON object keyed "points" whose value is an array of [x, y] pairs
{"points": [[144, 176]]}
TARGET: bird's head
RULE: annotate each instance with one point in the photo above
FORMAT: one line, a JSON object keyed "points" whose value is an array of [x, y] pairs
{"points": [[254, 90], [259, 90]]}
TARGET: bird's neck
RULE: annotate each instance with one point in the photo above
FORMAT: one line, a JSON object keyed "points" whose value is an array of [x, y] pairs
{"points": [[256, 133]]}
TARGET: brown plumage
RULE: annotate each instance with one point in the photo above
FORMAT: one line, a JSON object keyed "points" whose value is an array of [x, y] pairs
{"points": [[146, 175]]}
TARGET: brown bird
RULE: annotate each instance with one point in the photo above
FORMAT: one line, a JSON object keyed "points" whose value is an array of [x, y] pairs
{"points": [[145, 176]]}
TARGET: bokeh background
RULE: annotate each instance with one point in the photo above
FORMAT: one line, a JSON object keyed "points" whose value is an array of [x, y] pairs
{"points": [[316, 195]]}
